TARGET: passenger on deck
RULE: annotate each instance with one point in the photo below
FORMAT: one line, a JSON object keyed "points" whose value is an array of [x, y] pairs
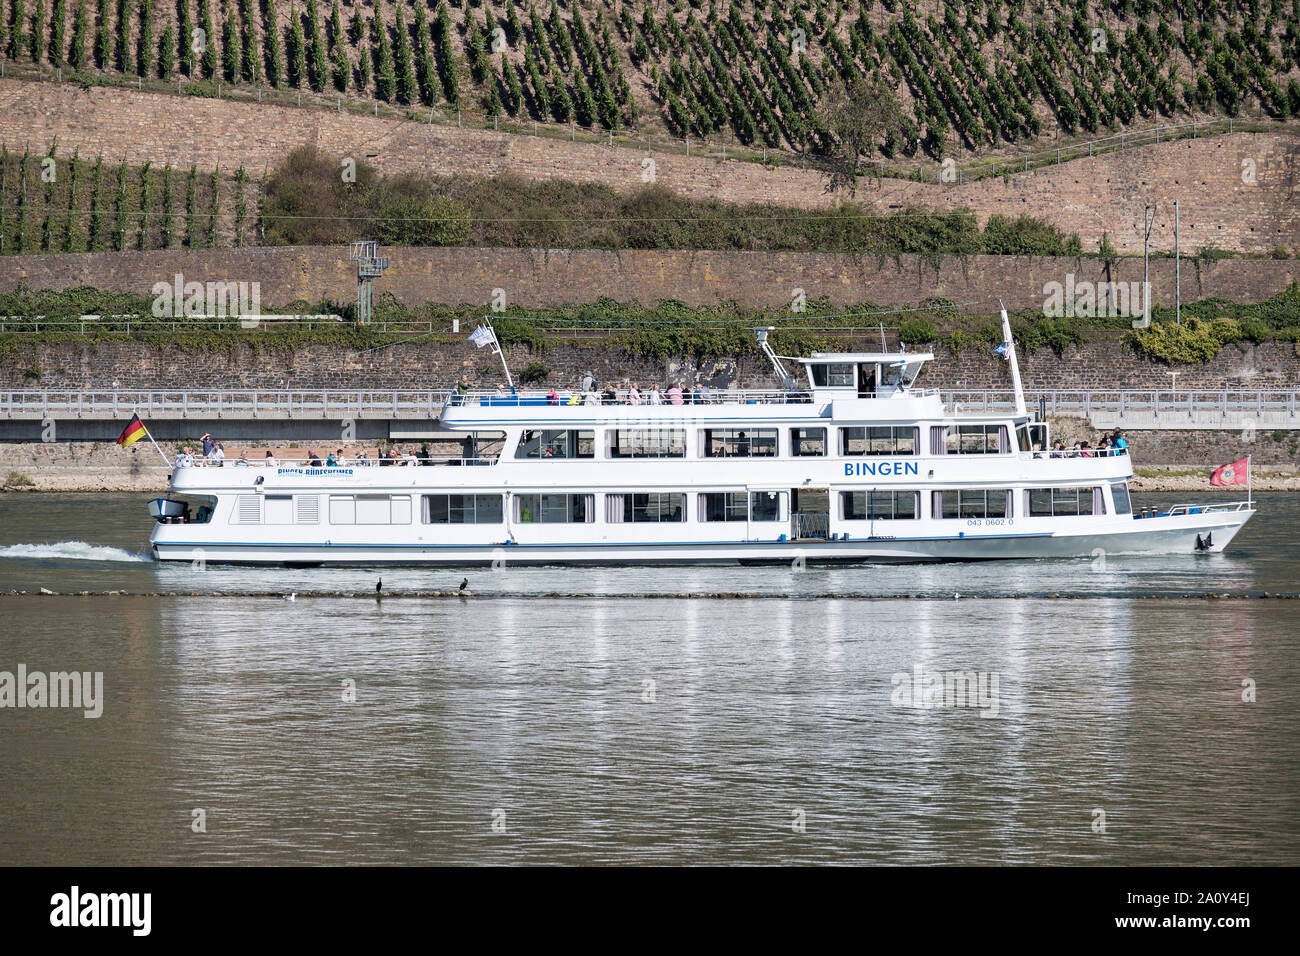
{"points": [[219, 455], [271, 461], [363, 459], [1058, 449], [609, 396], [697, 397], [462, 389], [706, 395], [209, 445], [342, 461], [186, 458], [675, 394], [575, 399], [655, 397], [242, 460], [313, 459], [331, 460], [1121, 443], [552, 397], [634, 395], [409, 459], [425, 456]]}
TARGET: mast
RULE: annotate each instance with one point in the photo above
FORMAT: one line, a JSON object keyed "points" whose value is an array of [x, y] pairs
{"points": [[1011, 357], [781, 373]]}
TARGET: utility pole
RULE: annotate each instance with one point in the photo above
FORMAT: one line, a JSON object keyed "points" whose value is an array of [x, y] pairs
{"points": [[1148, 217], [1178, 273]]}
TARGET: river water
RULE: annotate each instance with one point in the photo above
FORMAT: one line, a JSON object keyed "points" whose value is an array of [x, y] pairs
{"points": [[627, 725]]}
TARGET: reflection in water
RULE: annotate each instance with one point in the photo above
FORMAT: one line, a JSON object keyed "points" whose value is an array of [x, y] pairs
{"points": [[760, 709]]}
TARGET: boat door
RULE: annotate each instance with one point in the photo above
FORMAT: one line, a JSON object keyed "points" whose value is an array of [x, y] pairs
{"points": [[810, 513], [866, 380]]}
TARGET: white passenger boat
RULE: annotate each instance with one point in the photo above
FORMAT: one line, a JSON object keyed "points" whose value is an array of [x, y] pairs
{"points": [[848, 462]]}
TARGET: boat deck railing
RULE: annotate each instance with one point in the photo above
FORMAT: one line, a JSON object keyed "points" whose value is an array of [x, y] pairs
{"points": [[1049, 453], [319, 462], [1212, 508], [534, 398]]}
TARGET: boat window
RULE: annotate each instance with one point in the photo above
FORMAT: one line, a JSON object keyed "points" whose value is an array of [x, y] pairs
{"points": [[647, 443], [1031, 437], [560, 443], [972, 503], [738, 442], [654, 506], [833, 375], [555, 509], [1119, 493], [969, 440], [461, 509], [877, 505], [370, 509], [1056, 502], [723, 506], [766, 505], [879, 440], [807, 441]]}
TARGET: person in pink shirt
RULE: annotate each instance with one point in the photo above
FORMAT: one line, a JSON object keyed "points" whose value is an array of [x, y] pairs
{"points": [[675, 394]]}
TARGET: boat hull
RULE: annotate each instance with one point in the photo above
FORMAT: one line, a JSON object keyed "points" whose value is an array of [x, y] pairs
{"points": [[1174, 534]]}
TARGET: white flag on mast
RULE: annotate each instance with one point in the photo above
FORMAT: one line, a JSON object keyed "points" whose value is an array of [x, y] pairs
{"points": [[482, 336]]}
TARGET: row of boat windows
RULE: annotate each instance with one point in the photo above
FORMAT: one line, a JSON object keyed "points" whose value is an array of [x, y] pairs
{"points": [[850, 441], [672, 506]]}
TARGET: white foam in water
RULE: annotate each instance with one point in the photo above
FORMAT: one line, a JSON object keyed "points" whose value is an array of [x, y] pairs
{"points": [[69, 551]]}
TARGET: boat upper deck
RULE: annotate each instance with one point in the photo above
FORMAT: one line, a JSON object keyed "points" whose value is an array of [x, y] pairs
{"points": [[479, 409]]}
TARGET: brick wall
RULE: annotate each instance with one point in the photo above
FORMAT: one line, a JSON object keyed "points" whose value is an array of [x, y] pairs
{"points": [[546, 277], [417, 365], [1091, 196]]}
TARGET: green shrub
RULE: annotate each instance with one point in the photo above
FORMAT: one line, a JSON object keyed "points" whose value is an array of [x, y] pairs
{"points": [[1195, 340], [917, 331], [18, 479], [533, 372]]}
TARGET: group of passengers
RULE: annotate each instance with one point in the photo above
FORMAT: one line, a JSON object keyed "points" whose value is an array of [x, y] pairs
{"points": [[1113, 443], [589, 393], [336, 459]]}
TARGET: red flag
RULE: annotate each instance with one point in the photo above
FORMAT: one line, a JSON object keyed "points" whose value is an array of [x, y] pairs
{"points": [[1238, 473]]}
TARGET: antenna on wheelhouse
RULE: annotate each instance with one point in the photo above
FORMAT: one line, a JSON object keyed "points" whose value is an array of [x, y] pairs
{"points": [[1009, 353], [781, 373]]}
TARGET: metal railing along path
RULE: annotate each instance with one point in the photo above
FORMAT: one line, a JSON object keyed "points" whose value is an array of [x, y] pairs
{"points": [[1155, 408]]}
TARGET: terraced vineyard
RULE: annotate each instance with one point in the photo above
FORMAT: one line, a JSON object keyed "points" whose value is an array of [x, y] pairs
{"points": [[964, 77]]}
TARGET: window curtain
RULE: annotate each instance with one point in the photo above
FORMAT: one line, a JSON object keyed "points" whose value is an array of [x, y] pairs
{"points": [[1009, 495], [936, 504], [937, 444], [1098, 502], [614, 508], [1004, 441]]}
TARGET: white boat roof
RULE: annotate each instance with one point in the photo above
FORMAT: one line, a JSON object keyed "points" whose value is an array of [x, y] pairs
{"points": [[819, 358]]}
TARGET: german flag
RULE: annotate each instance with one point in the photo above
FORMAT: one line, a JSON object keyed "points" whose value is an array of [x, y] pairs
{"points": [[133, 432]]}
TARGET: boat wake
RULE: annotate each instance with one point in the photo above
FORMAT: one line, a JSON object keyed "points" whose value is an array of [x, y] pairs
{"points": [[70, 551]]}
